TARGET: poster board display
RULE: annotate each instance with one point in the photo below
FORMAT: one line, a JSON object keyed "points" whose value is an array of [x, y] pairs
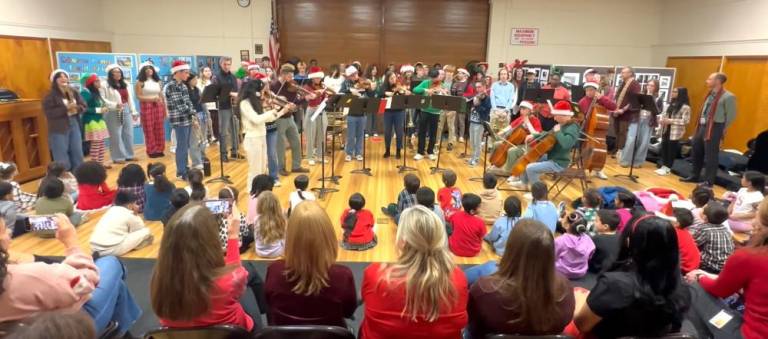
{"points": [[542, 72], [211, 61], [665, 76]]}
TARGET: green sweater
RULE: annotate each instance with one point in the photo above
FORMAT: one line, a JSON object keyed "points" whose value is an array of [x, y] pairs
{"points": [[567, 137], [50, 206], [420, 89], [94, 110]]}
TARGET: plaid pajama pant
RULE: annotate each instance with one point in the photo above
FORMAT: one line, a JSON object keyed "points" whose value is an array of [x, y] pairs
{"points": [[152, 116]]}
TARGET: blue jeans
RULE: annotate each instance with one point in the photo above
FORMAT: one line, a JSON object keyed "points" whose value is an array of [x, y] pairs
{"points": [[536, 169], [120, 134], [67, 147], [112, 301], [478, 271], [394, 119], [642, 130], [182, 149], [475, 138], [355, 135], [271, 154]]}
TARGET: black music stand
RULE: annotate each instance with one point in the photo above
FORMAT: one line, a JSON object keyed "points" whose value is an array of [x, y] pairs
{"points": [[333, 105], [488, 132], [405, 102], [448, 103], [363, 106], [322, 190], [646, 103], [212, 93]]}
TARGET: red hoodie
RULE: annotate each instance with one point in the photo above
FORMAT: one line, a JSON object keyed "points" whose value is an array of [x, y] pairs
{"points": [[362, 233], [93, 197], [690, 257]]}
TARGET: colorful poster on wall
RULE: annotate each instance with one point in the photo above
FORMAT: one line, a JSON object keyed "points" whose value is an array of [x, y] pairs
{"points": [[211, 61], [541, 71], [163, 63]]}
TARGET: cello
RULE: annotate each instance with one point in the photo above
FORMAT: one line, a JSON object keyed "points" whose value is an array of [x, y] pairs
{"points": [[516, 137], [594, 149], [543, 145]]}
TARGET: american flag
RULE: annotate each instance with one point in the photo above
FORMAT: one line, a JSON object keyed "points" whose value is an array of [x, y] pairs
{"points": [[274, 45]]}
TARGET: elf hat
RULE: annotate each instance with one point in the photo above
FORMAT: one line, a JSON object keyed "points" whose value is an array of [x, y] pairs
{"points": [[562, 107], [89, 80], [57, 71], [316, 72], [591, 84], [351, 69], [463, 71], [178, 66], [407, 68], [526, 104], [110, 67]]}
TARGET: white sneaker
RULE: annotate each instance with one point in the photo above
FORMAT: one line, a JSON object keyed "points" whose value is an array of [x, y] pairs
{"points": [[359, 157], [528, 196], [173, 149], [418, 156], [311, 162], [366, 135], [461, 139], [664, 170], [277, 183], [618, 154], [600, 174], [518, 184], [512, 179], [432, 157], [375, 134], [348, 158]]}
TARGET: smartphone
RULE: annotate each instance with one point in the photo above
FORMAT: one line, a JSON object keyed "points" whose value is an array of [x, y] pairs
{"points": [[41, 223], [219, 206]]}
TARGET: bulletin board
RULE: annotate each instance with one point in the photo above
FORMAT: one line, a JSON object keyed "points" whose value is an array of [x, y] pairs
{"points": [[211, 61], [665, 76], [163, 63]]}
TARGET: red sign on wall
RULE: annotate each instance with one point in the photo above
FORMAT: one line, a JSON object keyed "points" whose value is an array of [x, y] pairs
{"points": [[524, 36]]}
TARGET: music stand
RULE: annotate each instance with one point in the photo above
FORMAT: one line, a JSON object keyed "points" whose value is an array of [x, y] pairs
{"points": [[333, 105], [406, 102], [446, 103], [363, 106], [322, 190], [488, 132], [212, 93], [577, 92], [646, 103]]}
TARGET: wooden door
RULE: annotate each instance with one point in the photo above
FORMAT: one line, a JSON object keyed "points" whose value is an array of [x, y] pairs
{"points": [[748, 80], [692, 72]]}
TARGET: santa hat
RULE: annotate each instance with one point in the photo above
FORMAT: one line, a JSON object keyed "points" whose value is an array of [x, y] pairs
{"points": [[526, 104], [463, 71], [178, 66], [257, 75], [562, 107], [89, 80], [351, 69], [591, 84], [667, 211], [110, 67], [316, 72], [147, 63], [253, 66], [407, 68], [57, 71]]}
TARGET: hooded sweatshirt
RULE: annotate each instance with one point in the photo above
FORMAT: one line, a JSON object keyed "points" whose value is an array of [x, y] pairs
{"points": [[572, 253], [490, 207]]}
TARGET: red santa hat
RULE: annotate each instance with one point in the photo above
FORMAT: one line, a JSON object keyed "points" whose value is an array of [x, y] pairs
{"points": [[316, 72], [526, 104], [463, 71], [57, 71], [667, 211], [253, 66], [178, 66], [258, 75], [407, 68], [591, 84], [562, 107]]}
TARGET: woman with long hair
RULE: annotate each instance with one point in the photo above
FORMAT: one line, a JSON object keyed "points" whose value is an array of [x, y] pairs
{"points": [[307, 287], [423, 294], [673, 123], [334, 79], [93, 119], [394, 119], [372, 74], [207, 121], [643, 294], [152, 109], [525, 287], [62, 107], [119, 116], [193, 285]]}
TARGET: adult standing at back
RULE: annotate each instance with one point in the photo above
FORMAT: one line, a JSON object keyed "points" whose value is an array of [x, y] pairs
{"points": [[119, 117], [227, 130], [717, 114], [152, 105], [286, 125], [639, 132], [62, 107], [627, 111]]}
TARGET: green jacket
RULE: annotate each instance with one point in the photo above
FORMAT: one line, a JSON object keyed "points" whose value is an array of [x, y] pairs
{"points": [[94, 110], [567, 137], [420, 89], [725, 111]]}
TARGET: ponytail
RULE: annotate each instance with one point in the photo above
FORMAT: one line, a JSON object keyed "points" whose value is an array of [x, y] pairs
{"points": [[157, 173]]}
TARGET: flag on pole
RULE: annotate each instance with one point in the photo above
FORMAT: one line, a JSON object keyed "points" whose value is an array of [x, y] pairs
{"points": [[274, 45]]}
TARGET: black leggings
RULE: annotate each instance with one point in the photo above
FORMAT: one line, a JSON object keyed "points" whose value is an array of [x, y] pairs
{"points": [[427, 128], [669, 150]]}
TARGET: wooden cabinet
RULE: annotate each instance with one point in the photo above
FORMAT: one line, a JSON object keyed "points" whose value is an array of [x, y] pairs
{"points": [[24, 138]]}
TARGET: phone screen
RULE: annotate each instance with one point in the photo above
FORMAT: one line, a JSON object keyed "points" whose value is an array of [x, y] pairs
{"points": [[218, 206], [42, 223]]}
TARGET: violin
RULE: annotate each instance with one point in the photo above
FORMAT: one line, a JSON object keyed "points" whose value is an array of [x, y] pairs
{"points": [[364, 84]]}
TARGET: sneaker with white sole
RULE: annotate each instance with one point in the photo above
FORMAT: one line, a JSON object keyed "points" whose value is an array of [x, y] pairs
{"points": [[432, 157], [348, 158], [512, 179], [359, 157], [664, 170], [418, 156], [311, 162], [518, 185], [461, 140], [599, 174], [277, 183]]}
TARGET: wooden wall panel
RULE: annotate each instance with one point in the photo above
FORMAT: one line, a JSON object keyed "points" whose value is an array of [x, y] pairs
{"points": [[25, 65], [692, 72], [64, 45], [748, 80]]}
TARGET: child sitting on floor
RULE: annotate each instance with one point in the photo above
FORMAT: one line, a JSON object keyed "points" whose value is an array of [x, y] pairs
{"points": [[591, 202], [574, 248], [55, 201], [94, 193], [406, 198], [179, 198], [231, 194], [468, 229], [425, 196], [24, 201], [504, 224], [625, 202], [196, 189], [450, 195], [14, 220], [120, 230], [713, 238], [606, 241], [357, 223], [269, 228], [132, 179], [300, 194], [158, 193], [690, 257], [743, 207], [58, 171], [541, 208], [491, 205], [700, 197], [260, 183]]}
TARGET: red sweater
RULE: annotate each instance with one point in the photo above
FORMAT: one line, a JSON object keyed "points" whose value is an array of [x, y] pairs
{"points": [[468, 233], [690, 257], [384, 303], [93, 197], [450, 200], [534, 122], [225, 297], [603, 101], [746, 269], [363, 231]]}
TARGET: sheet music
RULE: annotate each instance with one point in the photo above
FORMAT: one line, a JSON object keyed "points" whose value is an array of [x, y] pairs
{"points": [[320, 109]]}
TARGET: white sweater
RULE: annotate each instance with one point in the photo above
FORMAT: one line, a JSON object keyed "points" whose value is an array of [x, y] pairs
{"points": [[254, 124], [114, 226], [112, 97]]}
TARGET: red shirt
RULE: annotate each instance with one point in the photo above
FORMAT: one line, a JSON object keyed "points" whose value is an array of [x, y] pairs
{"points": [[384, 303], [363, 231], [746, 269], [603, 101], [93, 197], [318, 98], [690, 257], [225, 297], [468, 233], [561, 93], [450, 200]]}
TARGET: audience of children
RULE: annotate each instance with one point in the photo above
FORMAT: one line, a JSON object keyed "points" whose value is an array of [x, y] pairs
{"points": [[606, 241], [231, 194], [58, 170], [132, 179], [93, 191], [405, 199], [260, 183], [120, 230], [498, 235], [53, 200], [196, 189], [541, 208], [690, 257], [492, 202], [357, 224], [744, 203], [158, 193], [574, 248], [24, 201], [179, 198], [713, 238], [269, 226], [10, 211], [700, 197], [624, 203], [425, 196], [300, 194], [466, 240], [590, 204], [450, 195]]}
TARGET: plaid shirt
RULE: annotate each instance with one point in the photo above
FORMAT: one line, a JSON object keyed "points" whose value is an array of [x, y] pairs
{"points": [[680, 120], [22, 199], [138, 191], [405, 200], [180, 107], [715, 244]]}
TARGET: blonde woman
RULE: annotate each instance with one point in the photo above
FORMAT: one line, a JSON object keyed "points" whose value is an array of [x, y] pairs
{"points": [[308, 284], [269, 229], [206, 120], [423, 294]]}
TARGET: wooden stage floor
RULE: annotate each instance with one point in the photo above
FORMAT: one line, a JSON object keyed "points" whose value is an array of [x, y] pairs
{"points": [[379, 190]]}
